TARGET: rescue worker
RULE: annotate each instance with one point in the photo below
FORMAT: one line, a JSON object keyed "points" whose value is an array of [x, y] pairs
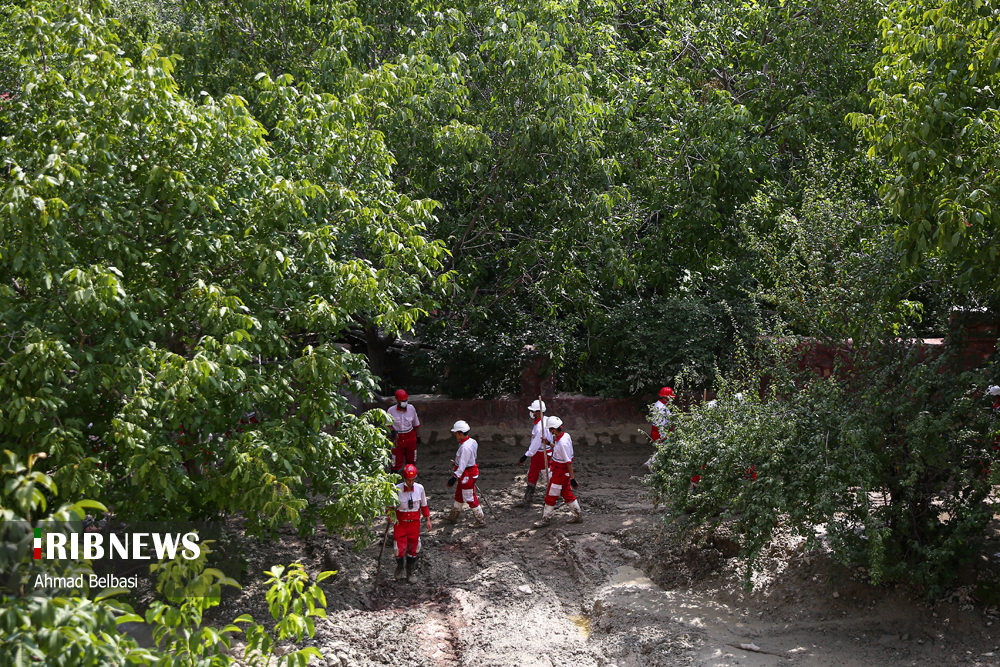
{"points": [[412, 504], [994, 392], [539, 440], [661, 413], [465, 474], [406, 431], [562, 481]]}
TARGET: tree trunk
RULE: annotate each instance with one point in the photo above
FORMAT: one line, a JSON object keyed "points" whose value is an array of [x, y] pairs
{"points": [[377, 346]]}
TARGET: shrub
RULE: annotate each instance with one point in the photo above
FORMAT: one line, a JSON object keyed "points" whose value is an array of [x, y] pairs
{"points": [[893, 454]]}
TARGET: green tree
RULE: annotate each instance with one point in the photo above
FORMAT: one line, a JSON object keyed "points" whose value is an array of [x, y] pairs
{"points": [[174, 279], [79, 627], [586, 155], [935, 120], [698, 108]]}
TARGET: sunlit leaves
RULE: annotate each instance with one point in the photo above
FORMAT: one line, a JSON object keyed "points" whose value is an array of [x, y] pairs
{"points": [[936, 120], [178, 266]]}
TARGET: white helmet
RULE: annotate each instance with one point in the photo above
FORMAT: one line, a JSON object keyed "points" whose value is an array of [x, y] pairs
{"points": [[461, 426], [553, 422], [993, 390], [537, 406]]}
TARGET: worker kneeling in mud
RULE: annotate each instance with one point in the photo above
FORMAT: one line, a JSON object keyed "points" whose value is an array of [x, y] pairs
{"points": [[412, 504], [465, 473], [562, 481]]}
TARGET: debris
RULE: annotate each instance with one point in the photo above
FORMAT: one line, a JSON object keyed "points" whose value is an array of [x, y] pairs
{"points": [[526, 589], [750, 647]]}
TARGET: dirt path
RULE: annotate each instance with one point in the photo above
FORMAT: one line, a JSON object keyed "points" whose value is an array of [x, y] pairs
{"points": [[610, 591]]}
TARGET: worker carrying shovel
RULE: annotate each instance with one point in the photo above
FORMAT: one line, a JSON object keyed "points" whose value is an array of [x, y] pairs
{"points": [[411, 506], [562, 481], [539, 451]]}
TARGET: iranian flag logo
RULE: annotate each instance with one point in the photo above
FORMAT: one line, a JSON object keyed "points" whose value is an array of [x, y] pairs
{"points": [[38, 543]]}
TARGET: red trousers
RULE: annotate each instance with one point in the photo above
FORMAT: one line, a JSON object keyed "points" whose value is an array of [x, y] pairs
{"points": [[406, 532], [405, 450], [465, 491], [559, 484], [536, 467]]}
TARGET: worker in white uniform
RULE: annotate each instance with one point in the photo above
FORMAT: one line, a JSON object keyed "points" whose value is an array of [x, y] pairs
{"points": [[562, 479], [539, 451], [465, 472]]}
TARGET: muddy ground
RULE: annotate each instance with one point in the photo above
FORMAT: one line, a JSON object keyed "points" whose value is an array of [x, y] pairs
{"points": [[617, 589]]}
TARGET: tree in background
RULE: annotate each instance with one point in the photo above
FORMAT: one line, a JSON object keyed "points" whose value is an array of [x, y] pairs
{"points": [[936, 121], [695, 109], [589, 158]]}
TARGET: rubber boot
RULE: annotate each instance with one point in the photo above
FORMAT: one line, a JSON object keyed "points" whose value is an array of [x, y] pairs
{"points": [[453, 515], [410, 562], [529, 491], [546, 516], [577, 517], [478, 516], [399, 569]]}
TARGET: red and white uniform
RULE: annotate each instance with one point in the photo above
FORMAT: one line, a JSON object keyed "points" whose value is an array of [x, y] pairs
{"points": [[404, 423], [412, 505], [562, 456], [535, 452], [467, 473], [660, 418]]}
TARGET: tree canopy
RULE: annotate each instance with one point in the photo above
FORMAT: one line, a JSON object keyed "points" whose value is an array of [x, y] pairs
{"points": [[935, 120], [177, 274]]}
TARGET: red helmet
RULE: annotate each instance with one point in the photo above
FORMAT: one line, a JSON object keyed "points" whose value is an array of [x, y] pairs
{"points": [[666, 392], [401, 395], [410, 471]]}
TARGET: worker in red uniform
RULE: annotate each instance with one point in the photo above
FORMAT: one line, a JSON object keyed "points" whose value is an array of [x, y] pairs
{"points": [[562, 481], [412, 504], [661, 414], [539, 451], [406, 431], [465, 472]]}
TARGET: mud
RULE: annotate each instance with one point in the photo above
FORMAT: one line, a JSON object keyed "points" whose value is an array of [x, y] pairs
{"points": [[617, 590]]}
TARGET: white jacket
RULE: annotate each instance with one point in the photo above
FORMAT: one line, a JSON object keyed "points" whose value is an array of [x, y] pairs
{"points": [[465, 457]]}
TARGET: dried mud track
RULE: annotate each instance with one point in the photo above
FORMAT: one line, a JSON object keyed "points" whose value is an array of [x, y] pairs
{"points": [[612, 591]]}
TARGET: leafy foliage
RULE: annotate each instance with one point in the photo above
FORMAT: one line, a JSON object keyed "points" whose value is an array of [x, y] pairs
{"points": [[893, 459], [24, 505], [648, 342], [175, 279], [39, 623], [891, 454], [293, 603], [593, 155], [935, 119], [79, 628], [182, 640]]}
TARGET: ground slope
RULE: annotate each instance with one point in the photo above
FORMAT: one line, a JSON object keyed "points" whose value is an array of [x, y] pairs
{"points": [[614, 590]]}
